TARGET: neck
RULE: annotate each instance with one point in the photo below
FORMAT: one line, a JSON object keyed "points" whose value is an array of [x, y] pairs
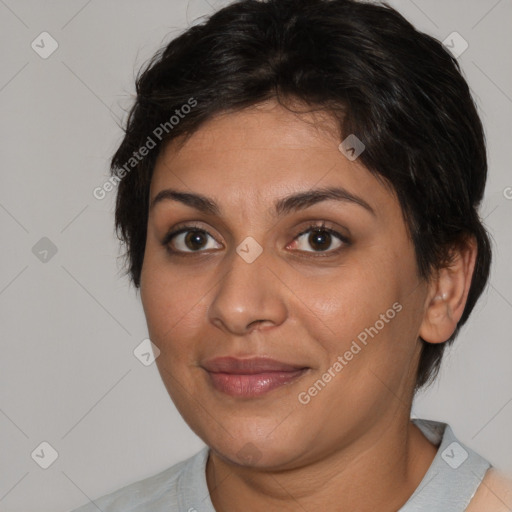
{"points": [[384, 466]]}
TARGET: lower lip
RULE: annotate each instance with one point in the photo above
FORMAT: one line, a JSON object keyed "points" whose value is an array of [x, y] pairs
{"points": [[252, 385]]}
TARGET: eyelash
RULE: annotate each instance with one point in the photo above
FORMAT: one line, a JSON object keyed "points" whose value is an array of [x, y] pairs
{"points": [[312, 227]]}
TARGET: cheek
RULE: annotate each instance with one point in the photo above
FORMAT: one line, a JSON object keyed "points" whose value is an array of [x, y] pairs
{"points": [[174, 306], [366, 315], [350, 299]]}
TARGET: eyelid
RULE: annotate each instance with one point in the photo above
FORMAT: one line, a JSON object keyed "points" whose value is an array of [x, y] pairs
{"points": [[324, 226], [311, 226], [179, 229]]}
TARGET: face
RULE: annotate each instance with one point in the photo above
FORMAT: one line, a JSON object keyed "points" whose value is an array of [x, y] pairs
{"points": [[327, 285]]}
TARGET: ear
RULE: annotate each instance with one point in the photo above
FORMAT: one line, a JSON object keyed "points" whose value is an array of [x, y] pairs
{"points": [[447, 294]]}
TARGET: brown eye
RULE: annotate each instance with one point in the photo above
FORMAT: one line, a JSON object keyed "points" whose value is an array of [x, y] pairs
{"points": [[320, 239], [194, 240], [188, 239]]}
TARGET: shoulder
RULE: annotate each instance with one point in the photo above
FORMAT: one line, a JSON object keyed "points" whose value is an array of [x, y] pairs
{"points": [[159, 490], [494, 494], [459, 478]]}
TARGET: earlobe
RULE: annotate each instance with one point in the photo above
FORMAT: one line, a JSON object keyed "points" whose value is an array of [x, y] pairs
{"points": [[448, 293]]}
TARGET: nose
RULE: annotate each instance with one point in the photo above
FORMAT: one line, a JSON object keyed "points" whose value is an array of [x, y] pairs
{"points": [[249, 296]]}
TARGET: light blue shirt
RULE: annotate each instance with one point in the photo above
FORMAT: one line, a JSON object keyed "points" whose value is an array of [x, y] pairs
{"points": [[448, 486]]}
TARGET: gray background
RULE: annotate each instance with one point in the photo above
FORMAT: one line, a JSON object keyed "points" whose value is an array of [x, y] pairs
{"points": [[69, 325]]}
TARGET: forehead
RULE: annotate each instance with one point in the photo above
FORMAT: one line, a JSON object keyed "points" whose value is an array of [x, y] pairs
{"points": [[258, 154], [256, 127]]}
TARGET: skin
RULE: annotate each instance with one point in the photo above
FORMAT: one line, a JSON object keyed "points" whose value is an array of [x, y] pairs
{"points": [[352, 447]]}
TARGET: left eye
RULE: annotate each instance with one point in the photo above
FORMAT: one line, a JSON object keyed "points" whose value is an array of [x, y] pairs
{"points": [[320, 238], [190, 239]]}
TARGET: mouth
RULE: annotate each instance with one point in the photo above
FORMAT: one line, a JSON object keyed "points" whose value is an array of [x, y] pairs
{"points": [[249, 378]]}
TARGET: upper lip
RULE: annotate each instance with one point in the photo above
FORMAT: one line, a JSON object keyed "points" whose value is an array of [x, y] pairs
{"points": [[248, 366]]}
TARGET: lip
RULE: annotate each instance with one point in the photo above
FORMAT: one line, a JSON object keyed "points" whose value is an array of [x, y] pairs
{"points": [[251, 377], [249, 366]]}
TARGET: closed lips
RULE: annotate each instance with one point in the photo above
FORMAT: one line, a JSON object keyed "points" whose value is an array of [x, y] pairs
{"points": [[251, 366]]}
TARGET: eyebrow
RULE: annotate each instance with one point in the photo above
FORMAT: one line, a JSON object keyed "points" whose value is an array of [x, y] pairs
{"points": [[288, 204]]}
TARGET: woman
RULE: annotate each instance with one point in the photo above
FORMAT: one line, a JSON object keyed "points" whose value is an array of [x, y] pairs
{"points": [[298, 190]]}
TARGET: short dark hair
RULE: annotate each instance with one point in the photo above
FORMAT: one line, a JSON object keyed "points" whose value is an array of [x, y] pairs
{"points": [[397, 89]]}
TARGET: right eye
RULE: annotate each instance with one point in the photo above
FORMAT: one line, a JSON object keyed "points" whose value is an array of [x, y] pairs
{"points": [[187, 239]]}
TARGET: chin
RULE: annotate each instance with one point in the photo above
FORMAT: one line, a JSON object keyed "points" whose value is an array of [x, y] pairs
{"points": [[252, 445]]}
